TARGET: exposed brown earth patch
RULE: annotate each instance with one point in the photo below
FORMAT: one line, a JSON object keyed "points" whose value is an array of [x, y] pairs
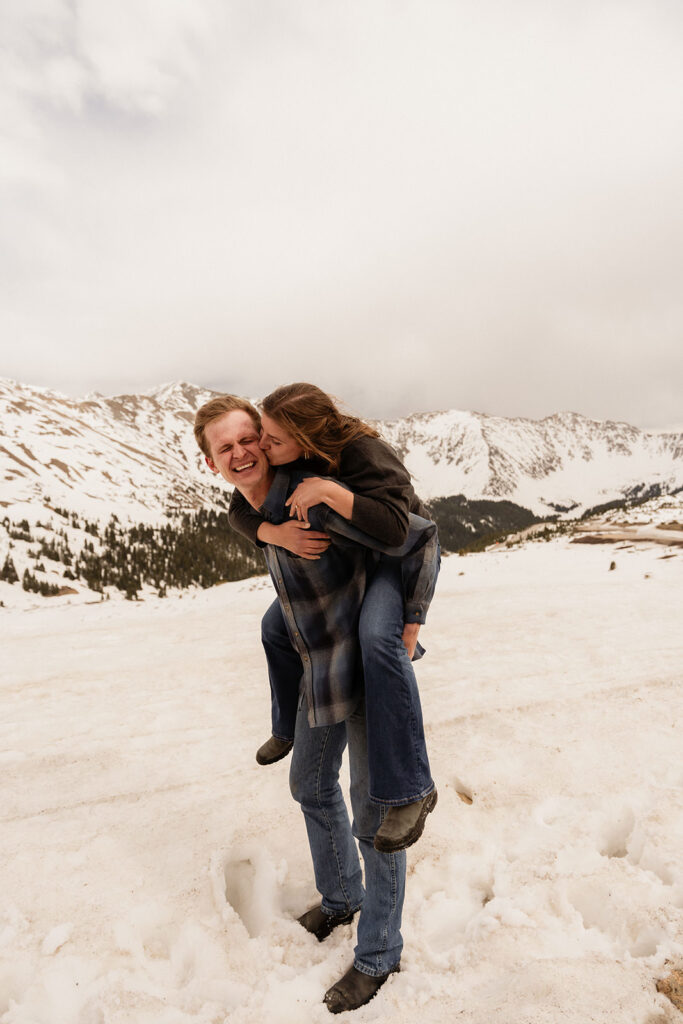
{"points": [[58, 464], [598, 534], [27, 452], [20, 461], [672, 988]]}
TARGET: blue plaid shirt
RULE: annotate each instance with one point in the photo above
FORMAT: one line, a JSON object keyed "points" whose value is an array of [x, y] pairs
{"points": [[321, 599]]}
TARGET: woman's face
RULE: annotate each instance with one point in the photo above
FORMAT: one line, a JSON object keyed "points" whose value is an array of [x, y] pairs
{"points": [[279, 446]]}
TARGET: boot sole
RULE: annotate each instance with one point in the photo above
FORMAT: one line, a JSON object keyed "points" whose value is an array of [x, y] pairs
{"points": [[383, 845]]}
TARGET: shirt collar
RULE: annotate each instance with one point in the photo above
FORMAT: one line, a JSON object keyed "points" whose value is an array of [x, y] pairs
{"points": [[273, 507]]}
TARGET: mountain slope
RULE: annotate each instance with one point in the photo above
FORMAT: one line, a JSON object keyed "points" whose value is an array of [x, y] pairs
{"points": [[134, 455], [565, 462]]}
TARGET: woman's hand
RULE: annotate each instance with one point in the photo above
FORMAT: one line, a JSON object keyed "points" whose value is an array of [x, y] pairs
{"points": [[295, 537], [309, 492], [315, 491], [410, 631]]}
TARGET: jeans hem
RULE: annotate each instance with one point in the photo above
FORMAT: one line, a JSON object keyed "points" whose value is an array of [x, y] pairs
{"points": [[404, 801], [348, 909], [373, 972], [283, 739]]}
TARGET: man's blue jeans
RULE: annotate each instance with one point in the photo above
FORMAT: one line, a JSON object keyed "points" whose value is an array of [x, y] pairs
{"points": [[284, 672], [399, 767], [314, 782]]}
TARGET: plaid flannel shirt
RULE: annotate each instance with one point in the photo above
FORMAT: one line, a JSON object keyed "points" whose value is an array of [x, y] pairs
{"points": [[321, 599]]}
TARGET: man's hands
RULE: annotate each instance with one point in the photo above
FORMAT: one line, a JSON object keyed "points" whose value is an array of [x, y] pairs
{"points": [[315, 491], [295, 537], [410, 631]]}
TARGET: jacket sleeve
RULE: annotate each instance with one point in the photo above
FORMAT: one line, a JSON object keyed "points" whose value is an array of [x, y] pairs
{"points": [[244, 519], [418, 554], [381, 486]]}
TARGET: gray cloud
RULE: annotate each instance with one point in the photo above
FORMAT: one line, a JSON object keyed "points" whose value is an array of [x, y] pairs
{"points": [[458, 205]]}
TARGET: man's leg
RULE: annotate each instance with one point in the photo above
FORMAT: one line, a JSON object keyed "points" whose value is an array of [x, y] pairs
{"points": [[284, 672], [379, 942], [314, 782]]}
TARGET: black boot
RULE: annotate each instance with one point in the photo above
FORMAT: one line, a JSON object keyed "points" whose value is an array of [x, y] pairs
{"points": [[320, 924], [355, 989]]}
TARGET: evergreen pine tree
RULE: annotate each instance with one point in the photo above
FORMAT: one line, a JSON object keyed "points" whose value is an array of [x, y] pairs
{"points": [[9, 573]]}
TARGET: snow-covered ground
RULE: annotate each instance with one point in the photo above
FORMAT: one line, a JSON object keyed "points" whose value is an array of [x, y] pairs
{"points": [[152, 871]]}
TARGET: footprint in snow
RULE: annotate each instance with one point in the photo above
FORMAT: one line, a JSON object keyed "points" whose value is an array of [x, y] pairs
{"points": [[251, 887], [625, 838], [616, 835]]}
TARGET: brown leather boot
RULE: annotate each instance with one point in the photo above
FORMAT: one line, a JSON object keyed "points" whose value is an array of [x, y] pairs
{"points": [[273, 750], [355, 989], [403, 826], [320, 924]]}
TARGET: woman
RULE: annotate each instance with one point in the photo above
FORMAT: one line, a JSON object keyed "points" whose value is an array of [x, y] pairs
{"points": [[301, 421]]}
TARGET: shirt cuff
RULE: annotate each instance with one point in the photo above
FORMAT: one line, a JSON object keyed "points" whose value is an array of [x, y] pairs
{"points": [[414, 613]]}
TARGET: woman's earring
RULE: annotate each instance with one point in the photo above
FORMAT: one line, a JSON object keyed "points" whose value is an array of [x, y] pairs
{"points": [[306, 455]]}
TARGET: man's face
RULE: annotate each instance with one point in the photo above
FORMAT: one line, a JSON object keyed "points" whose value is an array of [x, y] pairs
{"points": [[233, 441]]}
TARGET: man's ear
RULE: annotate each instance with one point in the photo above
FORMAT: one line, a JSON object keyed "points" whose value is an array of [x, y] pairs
{"points": [[211, 464]]}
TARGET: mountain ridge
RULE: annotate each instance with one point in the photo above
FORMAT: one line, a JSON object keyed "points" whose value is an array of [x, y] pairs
{"points": [[110, 495], [135, 454]]}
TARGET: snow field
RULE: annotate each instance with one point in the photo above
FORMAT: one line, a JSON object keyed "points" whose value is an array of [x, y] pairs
{"points": [[152, 872]]}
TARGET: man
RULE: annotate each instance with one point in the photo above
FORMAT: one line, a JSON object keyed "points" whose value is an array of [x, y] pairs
{"points": [[320, 600]]}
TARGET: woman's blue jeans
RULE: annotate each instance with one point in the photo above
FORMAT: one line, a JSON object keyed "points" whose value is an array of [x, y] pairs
{"points": [[398, 764], [314, 782]]}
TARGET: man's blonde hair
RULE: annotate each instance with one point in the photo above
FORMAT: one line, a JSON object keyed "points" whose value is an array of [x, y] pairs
{"points": [[215, 408]]}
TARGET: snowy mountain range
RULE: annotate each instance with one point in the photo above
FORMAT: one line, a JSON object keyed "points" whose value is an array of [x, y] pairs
{"points": [[135, 455]]}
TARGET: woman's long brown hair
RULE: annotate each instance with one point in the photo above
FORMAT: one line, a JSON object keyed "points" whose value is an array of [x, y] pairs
{"points": [[314, 421]]}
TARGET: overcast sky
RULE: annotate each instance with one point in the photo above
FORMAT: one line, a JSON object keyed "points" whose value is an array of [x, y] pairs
{"points": [[418, 204]]}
